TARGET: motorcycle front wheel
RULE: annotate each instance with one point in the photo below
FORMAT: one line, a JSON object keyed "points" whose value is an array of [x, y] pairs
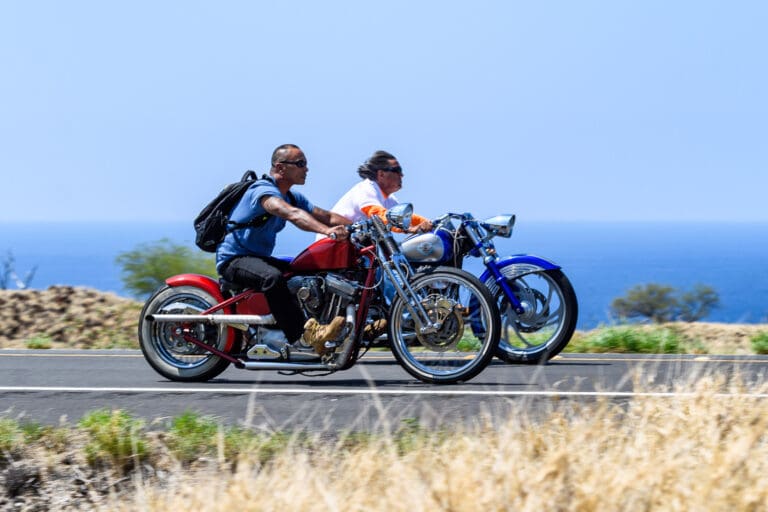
{"points": [[163, 343], [549, 319], [468, 332]]}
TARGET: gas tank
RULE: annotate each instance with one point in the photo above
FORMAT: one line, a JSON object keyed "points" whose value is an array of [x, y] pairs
{"points": [[428, 248], [325, 254]]}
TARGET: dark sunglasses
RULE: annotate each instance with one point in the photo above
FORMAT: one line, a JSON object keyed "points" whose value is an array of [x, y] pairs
{"points": [[397, 169], [298, 163]]}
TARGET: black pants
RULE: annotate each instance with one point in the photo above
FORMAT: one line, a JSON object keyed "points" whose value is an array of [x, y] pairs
{"points": [[265, 274]]}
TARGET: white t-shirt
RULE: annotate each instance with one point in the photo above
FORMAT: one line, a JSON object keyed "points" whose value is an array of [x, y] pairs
{"points": [[365, 193]]}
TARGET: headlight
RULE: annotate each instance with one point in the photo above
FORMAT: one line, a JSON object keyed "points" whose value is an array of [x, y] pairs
{"points": [[500, 224], [400, 215]]}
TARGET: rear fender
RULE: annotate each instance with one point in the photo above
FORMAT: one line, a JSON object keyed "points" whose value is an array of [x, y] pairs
{"points": [[206, 283]]}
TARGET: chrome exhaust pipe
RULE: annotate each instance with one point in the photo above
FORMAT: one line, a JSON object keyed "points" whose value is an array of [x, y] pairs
{"points": [[284, 365], [346, 351], [214, 319]]}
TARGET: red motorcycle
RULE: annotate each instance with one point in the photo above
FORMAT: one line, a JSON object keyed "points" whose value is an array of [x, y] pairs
{"points": [[443, 325]]}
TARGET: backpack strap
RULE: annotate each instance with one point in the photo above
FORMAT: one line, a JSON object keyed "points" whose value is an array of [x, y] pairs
{"points": [[291, 198], [262, 219]]}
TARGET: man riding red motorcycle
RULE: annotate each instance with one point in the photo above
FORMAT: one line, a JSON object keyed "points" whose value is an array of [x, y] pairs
{"points": [[245, 255]]}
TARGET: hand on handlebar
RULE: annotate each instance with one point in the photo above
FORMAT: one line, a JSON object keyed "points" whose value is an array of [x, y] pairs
{"points": [[338, 233], [421, 228]]}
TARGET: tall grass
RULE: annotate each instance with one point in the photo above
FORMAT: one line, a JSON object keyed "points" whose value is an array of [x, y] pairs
{"points": [[700, 445], [703, 450]]}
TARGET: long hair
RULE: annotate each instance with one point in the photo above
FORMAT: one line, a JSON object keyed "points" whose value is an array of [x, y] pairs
{"points": [[378, 160]]}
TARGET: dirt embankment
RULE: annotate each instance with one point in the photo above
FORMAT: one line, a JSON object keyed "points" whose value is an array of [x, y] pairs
{"points": [[706, 337], [76, 317], [67, 317]]}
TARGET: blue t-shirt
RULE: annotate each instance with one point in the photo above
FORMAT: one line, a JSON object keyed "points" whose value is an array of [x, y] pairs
{"points": [[256, 241]]}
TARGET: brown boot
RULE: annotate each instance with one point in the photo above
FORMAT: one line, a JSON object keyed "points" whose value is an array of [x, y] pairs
{"points": [[374, 329], [316, 334]]}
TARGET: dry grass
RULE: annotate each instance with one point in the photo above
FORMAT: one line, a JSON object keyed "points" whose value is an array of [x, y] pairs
{"points": [[705, 449]]}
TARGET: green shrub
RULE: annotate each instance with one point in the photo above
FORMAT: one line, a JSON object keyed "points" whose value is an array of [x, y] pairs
{"points": [[632, 340], [653, 301], [147, 267], [759, 343], [11, 435], [192, 436], [53, 438], [115, 437], [265, 447], [662, 303], [697, 304], [39, 342]]}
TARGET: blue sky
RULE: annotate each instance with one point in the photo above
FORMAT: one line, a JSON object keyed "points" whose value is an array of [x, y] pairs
{"points": [[558, 110]]}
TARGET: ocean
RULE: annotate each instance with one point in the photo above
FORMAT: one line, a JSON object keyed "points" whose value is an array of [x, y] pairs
{"points": [[602, 259]]}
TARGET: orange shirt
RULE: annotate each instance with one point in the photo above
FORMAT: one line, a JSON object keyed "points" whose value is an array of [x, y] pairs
{"points": [[380, 211]]}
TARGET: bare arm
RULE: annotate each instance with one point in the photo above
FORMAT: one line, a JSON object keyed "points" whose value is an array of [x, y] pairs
{"points": [[329, 218], [300, 218]]}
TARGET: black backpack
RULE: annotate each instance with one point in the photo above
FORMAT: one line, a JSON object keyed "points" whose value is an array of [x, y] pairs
{"points": [[212, 224]]}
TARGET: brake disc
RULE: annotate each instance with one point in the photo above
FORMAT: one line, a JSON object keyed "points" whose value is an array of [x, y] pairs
{"points": [[451, 316]]}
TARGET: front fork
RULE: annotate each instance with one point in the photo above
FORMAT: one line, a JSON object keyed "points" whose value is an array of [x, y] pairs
{"points": [[398, 270], [490, 260], [504, 285]]}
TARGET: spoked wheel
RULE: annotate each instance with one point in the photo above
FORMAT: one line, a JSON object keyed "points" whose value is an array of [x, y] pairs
{"points": [[164, 345], [545, 327], [454, 352]]}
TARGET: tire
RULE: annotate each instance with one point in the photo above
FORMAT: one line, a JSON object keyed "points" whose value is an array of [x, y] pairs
{"points": [[456, 352], [163, 347], [546, 327]]}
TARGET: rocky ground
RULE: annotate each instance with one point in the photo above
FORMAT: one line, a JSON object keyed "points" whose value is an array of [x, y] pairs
{"points": [[67, 317]]}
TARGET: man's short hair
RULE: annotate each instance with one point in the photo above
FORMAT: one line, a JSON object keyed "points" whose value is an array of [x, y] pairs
{"points": [[279, 151]]}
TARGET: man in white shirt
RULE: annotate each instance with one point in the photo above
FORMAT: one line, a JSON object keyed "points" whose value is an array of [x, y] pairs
{"points": [[382, 177]]}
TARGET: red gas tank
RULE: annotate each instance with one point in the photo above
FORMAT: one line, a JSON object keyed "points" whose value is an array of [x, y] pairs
{"points": [[325, 254]]}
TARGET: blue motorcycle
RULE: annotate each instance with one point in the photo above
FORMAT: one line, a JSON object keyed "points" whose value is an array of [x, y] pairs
{"points": [[536, 300]]}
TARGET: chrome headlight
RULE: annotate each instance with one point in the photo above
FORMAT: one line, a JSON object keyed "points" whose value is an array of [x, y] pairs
{"points": [[400, 215], [501, 225]]}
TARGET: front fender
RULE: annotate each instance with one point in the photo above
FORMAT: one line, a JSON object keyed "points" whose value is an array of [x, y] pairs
{"points": [[206, 283], [518, 265]]}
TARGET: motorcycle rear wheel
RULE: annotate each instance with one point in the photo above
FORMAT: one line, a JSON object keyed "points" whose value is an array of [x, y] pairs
{"points": [[459, 350], [548, 323], [163, 345]]}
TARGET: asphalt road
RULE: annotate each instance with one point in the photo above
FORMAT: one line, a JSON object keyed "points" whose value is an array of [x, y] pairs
{"points": [[54, 386]]}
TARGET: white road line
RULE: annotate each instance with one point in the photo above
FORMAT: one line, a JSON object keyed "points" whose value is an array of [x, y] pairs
{"points": [[370, 391]]}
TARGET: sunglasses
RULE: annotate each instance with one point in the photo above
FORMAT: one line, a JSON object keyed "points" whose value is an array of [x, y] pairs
{"points": [[298, 163], [397, 169]]}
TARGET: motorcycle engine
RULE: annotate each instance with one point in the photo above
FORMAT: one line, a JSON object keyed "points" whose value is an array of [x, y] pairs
{"points": [[323, 297]]}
